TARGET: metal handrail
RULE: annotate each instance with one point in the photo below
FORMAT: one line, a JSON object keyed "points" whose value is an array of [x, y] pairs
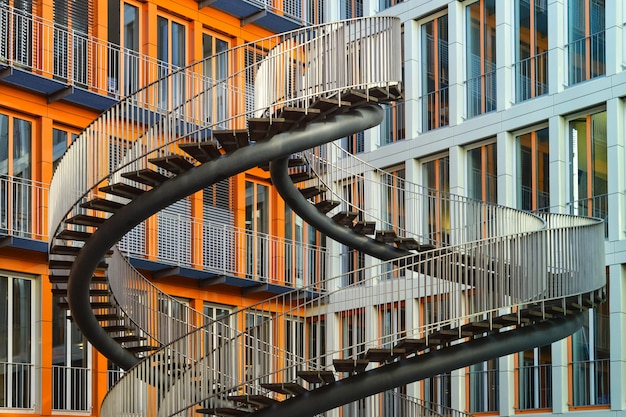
{"points": [[416, 407], [432, 217], [22, 207], [517, 281]]}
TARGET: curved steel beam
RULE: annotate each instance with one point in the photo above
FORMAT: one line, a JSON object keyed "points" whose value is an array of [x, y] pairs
{"points": [[149, 203], [423, 366], [309, 213]]}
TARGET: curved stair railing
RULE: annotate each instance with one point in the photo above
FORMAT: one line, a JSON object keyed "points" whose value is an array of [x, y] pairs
{"points": [[168, 141], [487, 297], [414, 407]]}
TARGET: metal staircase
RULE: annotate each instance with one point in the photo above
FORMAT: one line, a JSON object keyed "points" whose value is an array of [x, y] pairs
{"points": [[309, 87]]}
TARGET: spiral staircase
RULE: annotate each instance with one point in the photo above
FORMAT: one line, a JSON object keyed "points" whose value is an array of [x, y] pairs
{"points": [[529, 277]]}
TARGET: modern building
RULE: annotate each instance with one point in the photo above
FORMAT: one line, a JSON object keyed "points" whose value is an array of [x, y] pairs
{"points": [[486, 105]]}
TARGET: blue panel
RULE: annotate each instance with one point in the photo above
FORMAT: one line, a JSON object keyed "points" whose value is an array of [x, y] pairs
{"points": [[25, 243], [90, 99], [277, 23], [34, 82], [237, 8]]}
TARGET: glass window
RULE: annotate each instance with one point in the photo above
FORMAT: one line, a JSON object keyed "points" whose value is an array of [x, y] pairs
{"points": [[351, 9], [481, 57], [591, 359], [258, 346], [385, 4], [436, 174], [294, 344], [533, 170], [316, 336], [352, 261], [531, 61], [483, 380], [73, 20], [534, 378], [219, 333], [257, 228], [60, 141], [17, 345], [171, 53], [16, 187], [438, 393], [130, 43], [352, 345], [435, 98], [586, 47], [392, 128], [482, 173], [589, 173], [215, 68], [71, 364]]}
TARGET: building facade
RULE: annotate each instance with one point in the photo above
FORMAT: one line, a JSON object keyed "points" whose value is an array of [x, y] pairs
{"points": [[516, 103]]}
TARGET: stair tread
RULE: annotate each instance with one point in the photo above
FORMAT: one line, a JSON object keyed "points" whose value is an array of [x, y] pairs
{"points": [[102, 204], [385, 236], [310, 192], [85, 220], [233, 139], [383, 354], [326, 205], [223, 411], [317, 377], [364, 227], [121, 189], [345, 218], [350, 365], [253, 399], [201, 151], [176, 164], [146, 176], [286, 388]]}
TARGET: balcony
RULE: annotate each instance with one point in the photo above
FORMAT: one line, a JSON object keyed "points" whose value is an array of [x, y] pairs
{"points": [[62, 64], [273, 15]]}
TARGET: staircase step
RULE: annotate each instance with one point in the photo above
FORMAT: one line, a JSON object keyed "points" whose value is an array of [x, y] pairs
{"points": [[176, 164], [65, 250], [383, 355], [66, 265], [261, 128], [201, 151], [352, 366], [311, 192], [85, 220], [291, 163], [256, 400], [299, 114], [231, 140], [116, 328], [129, 338], [411, 345], [406, 243], [357, 97], [300, 176], [317, 377], [345, 218], [62, 292], [285, 388], [123, 190], [102, 204], [74, 235], [383, 94], [62, 278], [146, 176], [329, 105], [326, 205], [96, 305], [364, 227], [141, 348], [385, 236], [223, 412]]}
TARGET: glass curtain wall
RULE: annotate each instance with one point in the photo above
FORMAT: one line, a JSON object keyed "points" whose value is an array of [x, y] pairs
{"points": [[481, 57], [435, 96], [531, 60]]}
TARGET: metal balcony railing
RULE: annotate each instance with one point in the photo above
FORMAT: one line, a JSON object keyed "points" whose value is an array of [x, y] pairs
{"points": [[535, 386], [591, 382], [23, 207], [18, 385], [415, 407], [481, 94], [596, 206], [586, 58], [531, 77], [435, 109], [71, 388]]}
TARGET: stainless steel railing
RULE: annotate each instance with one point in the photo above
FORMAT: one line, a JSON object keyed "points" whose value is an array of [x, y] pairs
{"points": [[23, 205]]}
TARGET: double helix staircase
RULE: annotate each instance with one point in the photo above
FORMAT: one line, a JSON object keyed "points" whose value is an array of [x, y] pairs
{"points": [[528, 277]]}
